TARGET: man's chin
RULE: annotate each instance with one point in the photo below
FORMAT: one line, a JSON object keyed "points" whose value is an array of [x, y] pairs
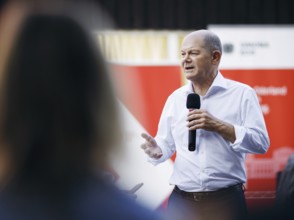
{"points": [[189, 76]]}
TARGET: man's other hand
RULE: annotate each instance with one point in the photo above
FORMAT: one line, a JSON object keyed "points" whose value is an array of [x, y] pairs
{"points": [[150, 147]]}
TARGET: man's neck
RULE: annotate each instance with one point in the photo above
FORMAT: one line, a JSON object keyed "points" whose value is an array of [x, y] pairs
{"points": [[202, 86]]}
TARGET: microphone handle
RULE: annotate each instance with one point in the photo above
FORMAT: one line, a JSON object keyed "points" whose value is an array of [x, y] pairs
{"points": [[192, 140]]}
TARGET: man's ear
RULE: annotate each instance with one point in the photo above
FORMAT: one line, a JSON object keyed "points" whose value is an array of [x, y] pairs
{"points": [[216, 56]]}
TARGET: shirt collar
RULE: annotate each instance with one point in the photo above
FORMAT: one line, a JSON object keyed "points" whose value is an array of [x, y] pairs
{"points": [[218, 83]]}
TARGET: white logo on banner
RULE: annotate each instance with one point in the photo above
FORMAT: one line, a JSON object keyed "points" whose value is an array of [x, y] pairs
{"points": [[267, 168], [262, 91], [256, 47]]}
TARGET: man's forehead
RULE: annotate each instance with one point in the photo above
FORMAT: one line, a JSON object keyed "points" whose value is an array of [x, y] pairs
{"points": [[192, 44]]}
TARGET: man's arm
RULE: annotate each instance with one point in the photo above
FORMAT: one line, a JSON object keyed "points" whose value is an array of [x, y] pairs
{"points": [[202, 119], [249, 137]]}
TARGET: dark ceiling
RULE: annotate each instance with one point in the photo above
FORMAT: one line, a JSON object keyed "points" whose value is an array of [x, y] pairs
{"points": [[195, 14]]}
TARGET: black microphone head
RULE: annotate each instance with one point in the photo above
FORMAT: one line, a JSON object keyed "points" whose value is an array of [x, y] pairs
{"points": [[193, 101]]}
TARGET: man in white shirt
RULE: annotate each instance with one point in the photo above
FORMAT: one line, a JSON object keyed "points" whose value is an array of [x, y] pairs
{"points": [[208, 181]]}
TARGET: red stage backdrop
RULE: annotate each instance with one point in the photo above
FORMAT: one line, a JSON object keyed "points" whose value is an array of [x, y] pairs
{"points": [[144, 89]]}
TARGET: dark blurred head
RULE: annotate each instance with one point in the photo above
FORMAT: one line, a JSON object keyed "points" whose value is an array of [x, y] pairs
{"points": [[58, 112]]}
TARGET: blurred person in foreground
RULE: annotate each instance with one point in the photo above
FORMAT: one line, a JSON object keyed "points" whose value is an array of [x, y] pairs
{"points": [[284, 201], [58, 124], [285, 190], [229, 124]]}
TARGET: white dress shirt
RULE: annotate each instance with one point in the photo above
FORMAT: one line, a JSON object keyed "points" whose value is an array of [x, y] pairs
{"points": [[216, 163]]}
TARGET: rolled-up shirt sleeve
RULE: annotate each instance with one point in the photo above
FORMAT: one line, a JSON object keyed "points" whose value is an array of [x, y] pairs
{"points": [[164, 138], [251, 134]]}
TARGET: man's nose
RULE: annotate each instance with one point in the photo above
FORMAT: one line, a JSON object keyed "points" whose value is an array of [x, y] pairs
{"points": [[186, 58]]}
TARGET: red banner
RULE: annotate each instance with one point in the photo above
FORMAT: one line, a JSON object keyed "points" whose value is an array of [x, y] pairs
{"points": [[144, 89]]}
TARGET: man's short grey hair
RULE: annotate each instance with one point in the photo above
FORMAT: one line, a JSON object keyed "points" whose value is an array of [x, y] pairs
{"points": [[212, 42]]}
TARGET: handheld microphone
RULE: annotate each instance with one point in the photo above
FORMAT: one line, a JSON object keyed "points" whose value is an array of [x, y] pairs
{"points": [[193, 102]]}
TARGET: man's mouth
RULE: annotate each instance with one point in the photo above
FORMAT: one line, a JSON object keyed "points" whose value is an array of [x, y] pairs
{"points": [[189, 68]]}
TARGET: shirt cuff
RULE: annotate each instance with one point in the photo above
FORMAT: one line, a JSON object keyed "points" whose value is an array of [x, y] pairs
{"points": [[154, 161], [240, 133]]}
